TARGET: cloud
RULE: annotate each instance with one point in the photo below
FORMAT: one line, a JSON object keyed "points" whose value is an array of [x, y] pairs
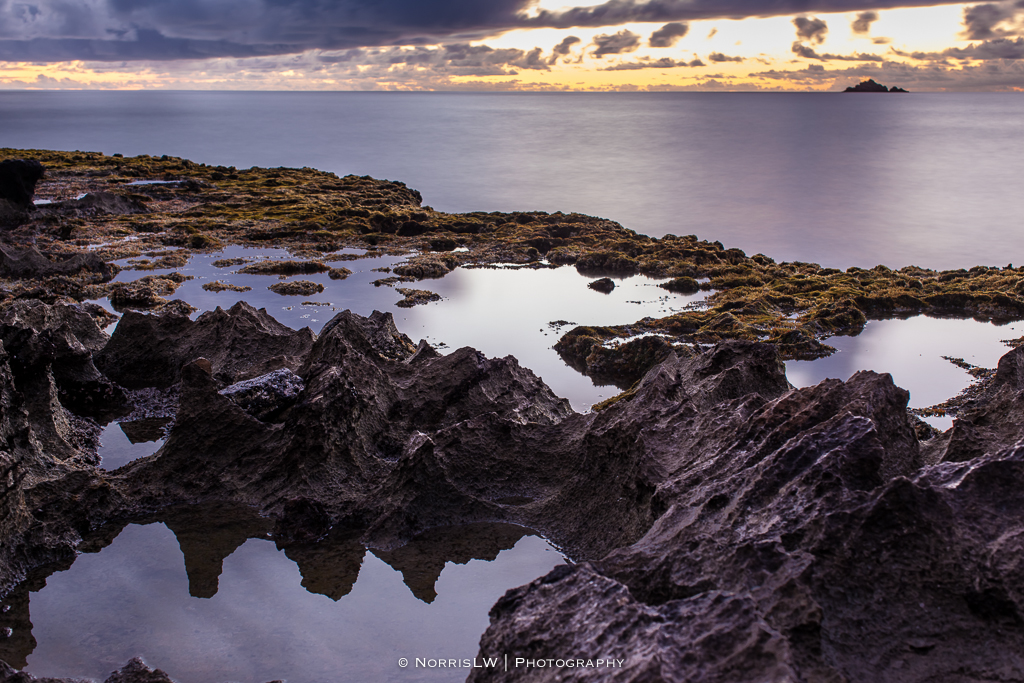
{"points": [[807, 52], [663, 63], [615, 43], [668, 35], [811, 30], [998, 76], [1000, 48], [118, 30], [564, 47], [862, 24], [993, 20], [718, 57], [617, 12]]}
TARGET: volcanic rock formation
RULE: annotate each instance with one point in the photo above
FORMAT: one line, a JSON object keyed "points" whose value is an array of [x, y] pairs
{"points": [[727, 526]]}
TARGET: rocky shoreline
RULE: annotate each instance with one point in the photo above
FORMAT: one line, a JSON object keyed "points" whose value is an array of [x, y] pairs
{"points": [[725, 526]]}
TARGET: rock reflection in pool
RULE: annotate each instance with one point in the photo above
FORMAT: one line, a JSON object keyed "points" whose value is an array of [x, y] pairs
{"points": [[299, 615], [122, 442], [912, 352]]}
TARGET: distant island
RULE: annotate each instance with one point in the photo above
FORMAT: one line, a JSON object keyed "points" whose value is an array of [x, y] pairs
{"points": [[871, 86]]}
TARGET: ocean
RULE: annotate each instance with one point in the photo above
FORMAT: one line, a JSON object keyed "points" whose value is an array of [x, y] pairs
{"points": [[832, 178]]}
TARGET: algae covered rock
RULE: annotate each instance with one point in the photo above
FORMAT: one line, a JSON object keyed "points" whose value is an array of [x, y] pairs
{"points": [[296, 288]]}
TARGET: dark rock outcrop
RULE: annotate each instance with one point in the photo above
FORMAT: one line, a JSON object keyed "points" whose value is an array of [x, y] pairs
{"points": [[809, 542], [18, 178], [604, 285], [56, 343], [728, 526], [240, 343], [30, 263]]}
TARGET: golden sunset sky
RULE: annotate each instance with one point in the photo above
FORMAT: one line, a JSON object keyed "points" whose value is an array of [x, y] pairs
{"points": [[509, 45]]}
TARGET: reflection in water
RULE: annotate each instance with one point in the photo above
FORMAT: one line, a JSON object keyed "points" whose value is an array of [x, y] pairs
{"points": [[508, 312], [239, 613], [122, 442], [500, 312], [912, 352]]}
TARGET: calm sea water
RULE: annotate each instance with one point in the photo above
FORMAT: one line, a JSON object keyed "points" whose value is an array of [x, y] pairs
{"points": [[928, 179]]}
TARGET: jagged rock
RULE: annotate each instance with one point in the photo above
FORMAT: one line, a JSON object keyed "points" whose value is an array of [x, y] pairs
{"points": [[30, 263], [240, 343], [267, 395], [136, 671], [809, 543], [55, 344], [728, 526], [994, 420], [18, 178]]}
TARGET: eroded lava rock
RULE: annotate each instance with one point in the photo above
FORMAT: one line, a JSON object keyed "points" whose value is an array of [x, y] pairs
{"points": [[240, 343], [727, 526]]}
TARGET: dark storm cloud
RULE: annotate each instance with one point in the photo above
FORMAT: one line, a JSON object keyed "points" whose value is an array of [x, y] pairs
{"points": [[718, 58], [993, 20], [615, 43], [862, 24], [118, 30], [458, 59], [615, 12], [668, 35], [812, 30]]}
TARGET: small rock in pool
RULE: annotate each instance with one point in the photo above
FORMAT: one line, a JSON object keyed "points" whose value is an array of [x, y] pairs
{"points": [[604, 285], [218, 286], [298, 287]]}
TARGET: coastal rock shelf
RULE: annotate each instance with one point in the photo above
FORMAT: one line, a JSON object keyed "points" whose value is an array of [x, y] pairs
{"points": [[99, 209], [722, 524], [801, 525]]}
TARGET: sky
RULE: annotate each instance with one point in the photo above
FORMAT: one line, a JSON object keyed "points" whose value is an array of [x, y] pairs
{"points": [[517, 45]]}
